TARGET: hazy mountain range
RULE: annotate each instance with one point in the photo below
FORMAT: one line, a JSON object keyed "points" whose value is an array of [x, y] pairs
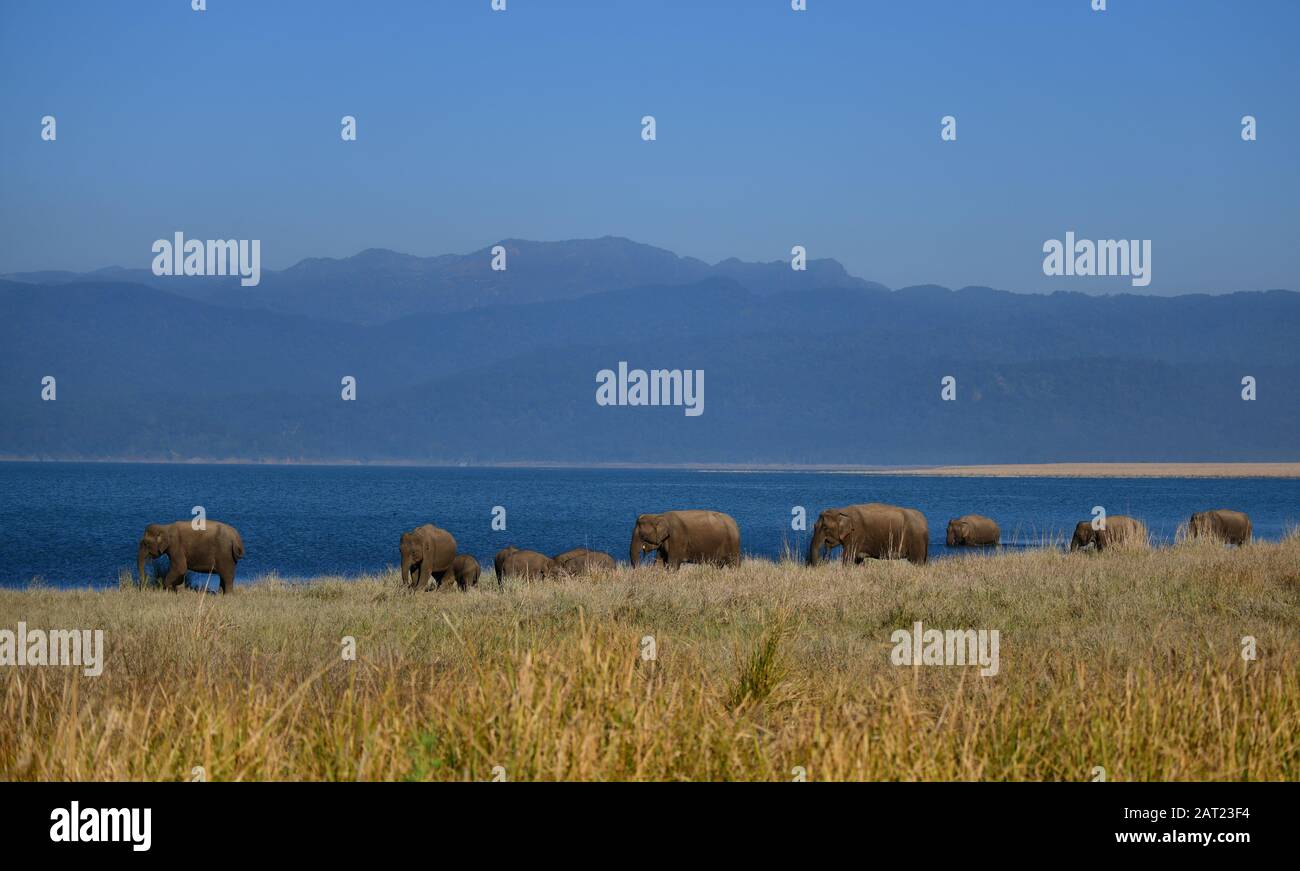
{"points": [[378, 285], [457, 363]]}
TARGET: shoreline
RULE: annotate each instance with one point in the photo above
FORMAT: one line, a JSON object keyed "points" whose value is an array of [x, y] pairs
{"points": [[1108, 470], [985, 470], [278, 579]]}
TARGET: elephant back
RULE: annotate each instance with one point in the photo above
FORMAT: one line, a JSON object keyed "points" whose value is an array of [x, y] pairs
{"points": [[1123, 530]]}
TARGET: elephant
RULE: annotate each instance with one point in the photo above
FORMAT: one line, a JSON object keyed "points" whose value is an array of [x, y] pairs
{"points": [[217, 547], [874, 531], [1119, 530], [466, 570], [686, 537], [580, 559], [512, 562], [1222, 524], [973, 530], [427, 553]]}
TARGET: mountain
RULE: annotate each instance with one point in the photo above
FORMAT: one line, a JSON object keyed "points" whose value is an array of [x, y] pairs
{"points": [[837, 374], [379, 285]]}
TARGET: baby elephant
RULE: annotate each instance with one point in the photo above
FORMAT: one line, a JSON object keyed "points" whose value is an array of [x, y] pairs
{"points": [[580, 560], [214, 548], [1119, 530], [466, 570], [973, 530], [512, 562], [1221, 524]]}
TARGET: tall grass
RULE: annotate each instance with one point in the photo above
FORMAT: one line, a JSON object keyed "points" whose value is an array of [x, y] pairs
{"points": [[1130, 661]]}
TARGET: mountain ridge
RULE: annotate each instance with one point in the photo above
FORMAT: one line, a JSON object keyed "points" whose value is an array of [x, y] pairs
{"points": [[839, 375], [378, 284]]}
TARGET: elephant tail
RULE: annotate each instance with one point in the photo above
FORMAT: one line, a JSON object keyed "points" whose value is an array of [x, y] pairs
{"points": [[237, 547]]}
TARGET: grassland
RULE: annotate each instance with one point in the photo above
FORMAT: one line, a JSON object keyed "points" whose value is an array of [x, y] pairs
{"points": [[1129, 661]]}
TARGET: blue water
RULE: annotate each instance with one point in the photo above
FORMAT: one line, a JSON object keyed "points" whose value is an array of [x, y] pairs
{"points": [[79, 523]]}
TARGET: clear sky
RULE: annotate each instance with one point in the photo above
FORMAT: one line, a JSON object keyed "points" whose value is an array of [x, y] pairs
{"points": [[774, 128]]}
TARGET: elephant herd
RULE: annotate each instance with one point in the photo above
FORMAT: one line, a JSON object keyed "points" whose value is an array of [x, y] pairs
{"points": [[429, 553], [1221, 524], [869, 531]]}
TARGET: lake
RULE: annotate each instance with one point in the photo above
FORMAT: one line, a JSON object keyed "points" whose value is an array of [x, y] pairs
{"points": [[78, 524]]}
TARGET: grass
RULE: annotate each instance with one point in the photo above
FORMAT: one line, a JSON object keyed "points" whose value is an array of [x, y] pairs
{"points": [[1127, 660]]}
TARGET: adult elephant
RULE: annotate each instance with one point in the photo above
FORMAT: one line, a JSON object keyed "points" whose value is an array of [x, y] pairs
{"points": [[686, 537], [511, 562], [217, 547], [466, 570], [973, 530], [581, 559], [427, 553], [871, 531], [1118, 530], [1221, 524]]}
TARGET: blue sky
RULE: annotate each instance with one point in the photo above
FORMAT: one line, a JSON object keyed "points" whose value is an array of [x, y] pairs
{"points": [[819, 128]]}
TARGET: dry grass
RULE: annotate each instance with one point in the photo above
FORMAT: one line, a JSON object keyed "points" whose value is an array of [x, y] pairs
{"points": [[1126, 660]]}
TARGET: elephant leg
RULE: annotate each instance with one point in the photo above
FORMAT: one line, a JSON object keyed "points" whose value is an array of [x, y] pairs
{"points": [[227, 580], [425, 574], [438, 576], [175, 577], [176, 570]]}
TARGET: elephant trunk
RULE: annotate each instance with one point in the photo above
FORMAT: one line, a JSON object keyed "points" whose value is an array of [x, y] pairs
{"points": [[139, 563], [634, 552], [815, 548], [952, 537], [406, 569]]}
